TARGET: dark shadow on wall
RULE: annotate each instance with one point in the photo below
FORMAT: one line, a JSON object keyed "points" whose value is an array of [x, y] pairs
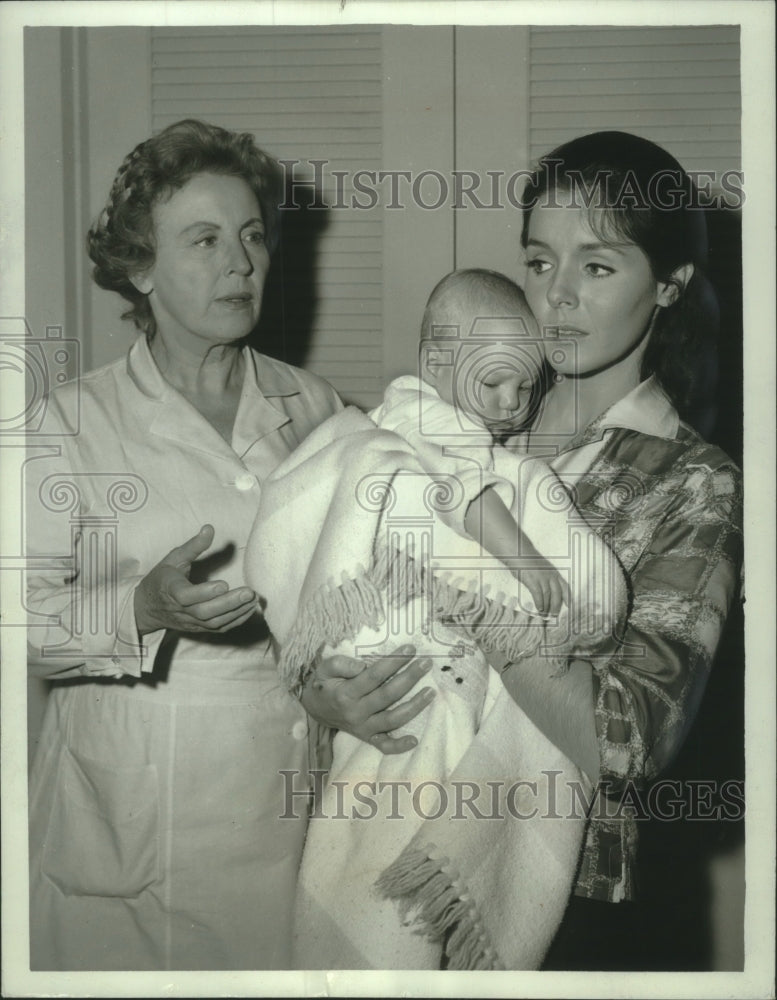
{"points": [[724, 230], [291, 294], [678, 856]]}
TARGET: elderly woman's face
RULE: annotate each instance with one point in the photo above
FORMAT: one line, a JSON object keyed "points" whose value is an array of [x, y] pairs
{"points": [[598, 295], [211, 261]]}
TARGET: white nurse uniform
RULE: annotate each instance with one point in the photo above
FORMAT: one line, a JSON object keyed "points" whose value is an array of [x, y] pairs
{"points": [[157, 795]]}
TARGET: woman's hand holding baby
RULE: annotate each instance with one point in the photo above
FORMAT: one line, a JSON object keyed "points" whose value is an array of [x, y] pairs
{"points": [[360, 696]]}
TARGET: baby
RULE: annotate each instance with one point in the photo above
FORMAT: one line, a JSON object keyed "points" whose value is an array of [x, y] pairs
{"points": [[351, 579], [478, 361]]}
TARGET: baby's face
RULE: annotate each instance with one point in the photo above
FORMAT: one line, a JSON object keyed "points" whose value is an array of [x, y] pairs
{"points": [[499, 397], [492, 379]]}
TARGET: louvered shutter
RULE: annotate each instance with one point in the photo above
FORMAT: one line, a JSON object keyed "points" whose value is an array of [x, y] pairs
{"points": [[678, 86], [306, 93]]}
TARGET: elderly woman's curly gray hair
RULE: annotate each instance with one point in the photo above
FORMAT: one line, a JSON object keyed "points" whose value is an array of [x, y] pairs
{"points": [[121, 243]]}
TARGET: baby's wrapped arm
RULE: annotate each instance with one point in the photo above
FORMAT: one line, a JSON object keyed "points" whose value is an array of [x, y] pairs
{"points": [[626, 711], [489, 522]]}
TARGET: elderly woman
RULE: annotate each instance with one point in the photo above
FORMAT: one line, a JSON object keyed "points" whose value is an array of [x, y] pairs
{"points": [[162, 835]]}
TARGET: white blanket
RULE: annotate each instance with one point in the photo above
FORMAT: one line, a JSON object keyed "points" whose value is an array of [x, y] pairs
{"points": [[351, 556]]}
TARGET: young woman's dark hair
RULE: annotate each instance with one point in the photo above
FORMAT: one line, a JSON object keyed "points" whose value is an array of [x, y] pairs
{"points": [[121, 242], [634, 191]]}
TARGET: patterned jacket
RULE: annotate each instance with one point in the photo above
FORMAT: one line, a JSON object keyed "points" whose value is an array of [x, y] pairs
{"points": [[671, 507]]}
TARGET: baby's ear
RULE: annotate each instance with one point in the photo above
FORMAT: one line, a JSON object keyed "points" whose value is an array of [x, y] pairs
{"points": [[429, 361]]}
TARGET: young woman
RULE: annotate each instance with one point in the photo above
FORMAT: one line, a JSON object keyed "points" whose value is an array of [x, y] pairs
{"points": [[614, 252]]}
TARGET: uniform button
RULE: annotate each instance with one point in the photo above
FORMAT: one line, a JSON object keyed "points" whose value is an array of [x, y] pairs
{"points": [[299, 730], [245, 481]]}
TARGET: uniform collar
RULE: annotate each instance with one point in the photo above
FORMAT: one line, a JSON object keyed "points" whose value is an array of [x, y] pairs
{"points": [[176, 419], [271, 379]]}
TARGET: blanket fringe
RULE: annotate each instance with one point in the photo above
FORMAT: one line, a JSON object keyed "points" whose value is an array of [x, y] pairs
{"points": [[331, 614], [424, 887], [338, 611], [495, 622]]}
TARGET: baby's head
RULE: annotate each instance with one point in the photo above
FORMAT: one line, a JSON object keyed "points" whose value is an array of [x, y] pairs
{"points": [[479, 347]]}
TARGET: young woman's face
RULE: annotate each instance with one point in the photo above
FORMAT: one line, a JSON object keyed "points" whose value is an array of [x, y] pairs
{"points": [[211, 261], [598, 296]]}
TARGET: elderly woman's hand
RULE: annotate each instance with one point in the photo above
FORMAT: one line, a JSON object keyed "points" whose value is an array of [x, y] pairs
{"points": [[360, 696], [165, 598]]}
